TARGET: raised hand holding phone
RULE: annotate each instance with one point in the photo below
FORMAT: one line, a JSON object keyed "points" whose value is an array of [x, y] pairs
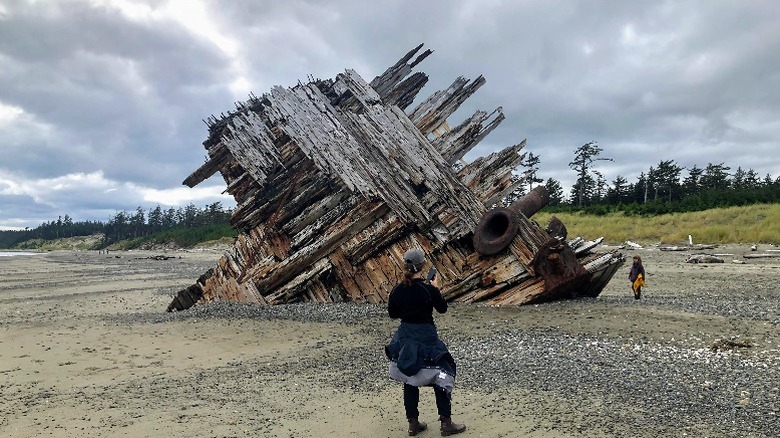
{"points": [[431, 276]]}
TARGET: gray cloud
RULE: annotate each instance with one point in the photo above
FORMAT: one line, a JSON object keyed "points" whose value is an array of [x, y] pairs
{"points": [[118, 89]]}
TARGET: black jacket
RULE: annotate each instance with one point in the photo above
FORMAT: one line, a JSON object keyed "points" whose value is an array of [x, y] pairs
{"points": [[636, 269], [415, 303]]}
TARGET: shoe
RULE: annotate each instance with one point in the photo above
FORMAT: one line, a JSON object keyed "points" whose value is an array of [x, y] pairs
{"points": [[416, 427], [449, 428]]}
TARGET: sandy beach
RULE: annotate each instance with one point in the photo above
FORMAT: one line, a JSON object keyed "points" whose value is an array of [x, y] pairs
{"points": [[87, 350]]}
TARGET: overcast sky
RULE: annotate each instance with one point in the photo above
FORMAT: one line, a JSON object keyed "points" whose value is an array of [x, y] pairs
{"points": [[102, 101]]}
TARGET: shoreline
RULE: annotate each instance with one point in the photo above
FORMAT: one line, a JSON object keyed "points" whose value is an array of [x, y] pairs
{"points": [[87, 349]]}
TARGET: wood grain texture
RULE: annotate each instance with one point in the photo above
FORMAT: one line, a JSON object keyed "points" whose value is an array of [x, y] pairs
{"points": [[333, 181]]}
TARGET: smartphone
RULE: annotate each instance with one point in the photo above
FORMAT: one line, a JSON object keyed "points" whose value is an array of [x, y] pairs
{"points": [[431, 275]]}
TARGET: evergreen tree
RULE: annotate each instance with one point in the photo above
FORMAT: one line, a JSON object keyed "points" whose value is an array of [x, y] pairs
{"points": [[190, 215], [528, 177], [155, 219], [67, 225], [584, 157], [169, 219], [138, 222], [738, 179], [667, 180], [215, 214], [601, 187], [692, 183], [555, 190], [752, 180], [619, 192], [583, 192], [638, 190], [715, 176]]}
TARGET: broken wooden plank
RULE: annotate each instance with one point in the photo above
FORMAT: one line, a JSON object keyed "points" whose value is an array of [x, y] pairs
{"points": [[435, 109]]}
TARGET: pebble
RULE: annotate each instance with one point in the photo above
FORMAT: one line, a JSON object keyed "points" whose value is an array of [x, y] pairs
{"points": [[584, 383], [649, 386]]}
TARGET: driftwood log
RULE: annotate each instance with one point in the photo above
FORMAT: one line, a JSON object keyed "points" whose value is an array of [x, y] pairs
{"points": [[334, 179], [704, 258], [686, 248], [763, 255]]}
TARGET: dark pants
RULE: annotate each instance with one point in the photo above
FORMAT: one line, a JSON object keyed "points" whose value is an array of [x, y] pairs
{"points": [[412, 399]]}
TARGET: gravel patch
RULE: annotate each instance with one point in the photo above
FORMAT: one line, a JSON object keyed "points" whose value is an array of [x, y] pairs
{"points": [[631, 384]]}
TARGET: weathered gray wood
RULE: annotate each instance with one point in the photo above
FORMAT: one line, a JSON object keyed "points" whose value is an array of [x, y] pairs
{"points": [[490, 177], [686, 247], [759, 256], [387, 82], [333, 181], [704, 258], [404, 93], [585, 247], [435, 109], [209, 168], [459, 141]]}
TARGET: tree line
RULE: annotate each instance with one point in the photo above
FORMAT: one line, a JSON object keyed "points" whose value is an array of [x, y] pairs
{"points": [[664, 188], [123, 225]]}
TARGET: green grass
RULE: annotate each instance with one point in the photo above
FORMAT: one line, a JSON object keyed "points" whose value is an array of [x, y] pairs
{"points": [[79, 243], [758, 223]]}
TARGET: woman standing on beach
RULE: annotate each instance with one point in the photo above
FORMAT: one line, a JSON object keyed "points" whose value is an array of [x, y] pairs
{"points": [[637, 277], [417, 356]]}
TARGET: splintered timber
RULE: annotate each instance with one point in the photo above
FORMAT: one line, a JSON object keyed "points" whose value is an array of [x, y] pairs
{"points": [[334, 179]]}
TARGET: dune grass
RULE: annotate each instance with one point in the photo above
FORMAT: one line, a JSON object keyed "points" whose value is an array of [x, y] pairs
{"points": [[182, 237], [758, 223]]}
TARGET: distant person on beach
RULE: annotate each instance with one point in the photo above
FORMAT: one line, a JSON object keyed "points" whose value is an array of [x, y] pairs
{"points": [[637, 277], [417, 356]]}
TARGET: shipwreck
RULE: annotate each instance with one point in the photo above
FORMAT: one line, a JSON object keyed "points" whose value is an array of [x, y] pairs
{"points": [[334, 179]]}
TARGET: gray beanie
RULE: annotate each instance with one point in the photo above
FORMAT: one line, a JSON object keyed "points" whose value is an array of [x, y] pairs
{"points": [[413, 258]]}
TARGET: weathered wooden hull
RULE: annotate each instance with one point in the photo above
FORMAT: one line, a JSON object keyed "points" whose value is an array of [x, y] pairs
{"points": [[334, 181]]}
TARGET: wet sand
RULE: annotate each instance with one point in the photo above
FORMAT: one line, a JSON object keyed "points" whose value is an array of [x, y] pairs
{"points": [[86, 349]]}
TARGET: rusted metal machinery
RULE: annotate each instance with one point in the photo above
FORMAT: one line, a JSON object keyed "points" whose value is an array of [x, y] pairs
{"points": [[334, 180]]}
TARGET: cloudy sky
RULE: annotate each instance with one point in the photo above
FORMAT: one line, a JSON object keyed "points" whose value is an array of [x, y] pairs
{"points": [[102, 101]]}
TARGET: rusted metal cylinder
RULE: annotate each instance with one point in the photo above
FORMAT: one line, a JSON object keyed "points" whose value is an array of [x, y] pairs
{"points": [[532, 202], [499, 226]]}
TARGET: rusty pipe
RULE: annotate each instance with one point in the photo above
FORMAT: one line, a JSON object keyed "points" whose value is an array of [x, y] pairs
{"points": [[531, 202], [499, 226]]}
